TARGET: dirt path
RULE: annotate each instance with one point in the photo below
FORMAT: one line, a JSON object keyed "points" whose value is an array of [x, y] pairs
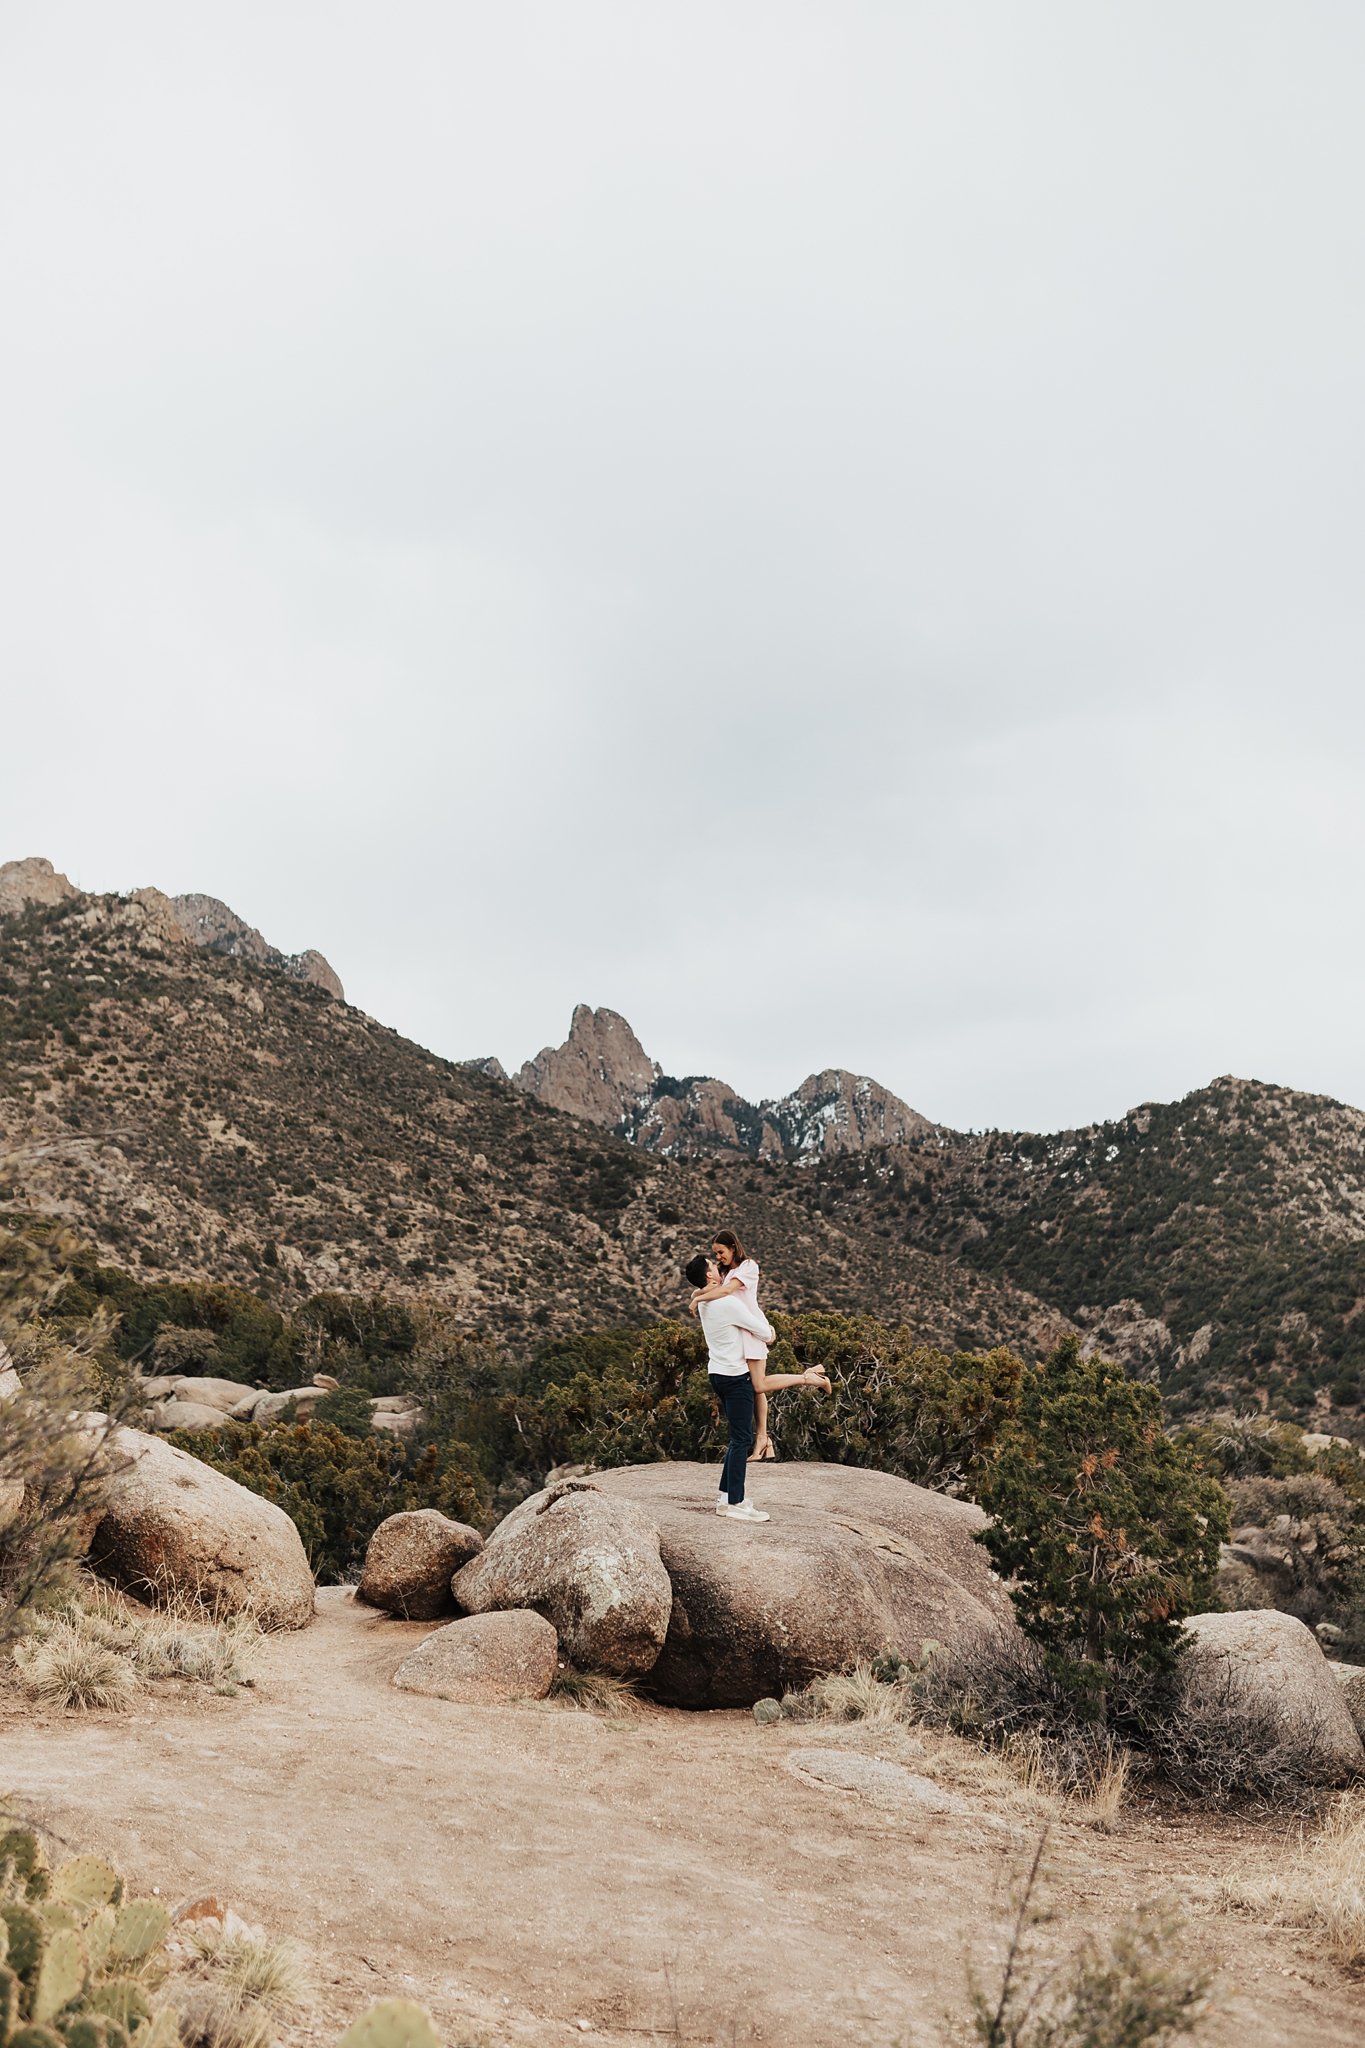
{"points": [[523, 1869]]}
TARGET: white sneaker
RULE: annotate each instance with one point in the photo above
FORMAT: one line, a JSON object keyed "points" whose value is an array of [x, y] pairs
{"points": [[746, 1512], [722, 1503]]}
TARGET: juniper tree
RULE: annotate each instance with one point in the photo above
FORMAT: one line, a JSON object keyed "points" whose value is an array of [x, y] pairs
{"points": [[1107, 1528]]}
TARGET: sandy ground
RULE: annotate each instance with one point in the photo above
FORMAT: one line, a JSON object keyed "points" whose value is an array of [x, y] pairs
{"points": [[663, 1878]]}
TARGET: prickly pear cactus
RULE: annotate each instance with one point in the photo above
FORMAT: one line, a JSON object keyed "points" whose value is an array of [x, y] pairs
{"points": [[27, 1932], [23, 1863], [86, 1883], [61, 1975], [392, 2023], [9, 2001], [142, 1925], [78, 1962]]}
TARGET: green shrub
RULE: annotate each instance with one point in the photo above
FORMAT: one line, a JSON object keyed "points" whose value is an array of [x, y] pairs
{"points": [[339, 1488], [1108, 1529], [895, 1406]]}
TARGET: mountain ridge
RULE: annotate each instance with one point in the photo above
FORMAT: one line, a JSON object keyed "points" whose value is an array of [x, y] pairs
{"points": [[602, 1073], [197, 1114]]}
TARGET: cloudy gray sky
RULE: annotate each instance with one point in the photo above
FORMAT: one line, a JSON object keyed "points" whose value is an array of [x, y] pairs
{"points": [[833, 529]]}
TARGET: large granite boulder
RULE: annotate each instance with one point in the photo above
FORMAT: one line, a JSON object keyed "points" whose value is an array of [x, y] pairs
{"points": [[851, 1563], [1268, 1669], [590, 1565], [485, 1660], [1351, 1679], [172, 1526], [410, 1561]]}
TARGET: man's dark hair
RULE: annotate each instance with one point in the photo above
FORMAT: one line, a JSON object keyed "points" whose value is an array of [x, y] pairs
{"points": [[696, 1270]]}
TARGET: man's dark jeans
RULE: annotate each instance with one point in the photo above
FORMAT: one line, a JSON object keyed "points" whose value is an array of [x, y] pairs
{"points": [[735, 1392]]}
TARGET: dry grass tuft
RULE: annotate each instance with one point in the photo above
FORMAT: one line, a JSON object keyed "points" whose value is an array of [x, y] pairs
{"points": [[100, 1649], [63, 1666], [594, 1692], [1322, 1890], [859, 1695], [1085, 1776], [175, 1639], [241, 1990]]}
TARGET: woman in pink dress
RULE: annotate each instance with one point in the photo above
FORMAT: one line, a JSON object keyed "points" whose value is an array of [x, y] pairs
{"points": [[740, 1276]]}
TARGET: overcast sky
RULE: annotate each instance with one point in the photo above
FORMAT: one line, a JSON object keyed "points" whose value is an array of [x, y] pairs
{"points": [[835, 530]]}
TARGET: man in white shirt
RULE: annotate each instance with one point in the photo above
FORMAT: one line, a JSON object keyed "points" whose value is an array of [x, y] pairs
{"points": [[734, 1379]]}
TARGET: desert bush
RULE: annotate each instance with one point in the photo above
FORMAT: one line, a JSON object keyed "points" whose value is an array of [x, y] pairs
{"points": [[175, 1350], [895, 1406], [339, 1488], [57, 1442], [1135, 1990], [1107, 1529]]}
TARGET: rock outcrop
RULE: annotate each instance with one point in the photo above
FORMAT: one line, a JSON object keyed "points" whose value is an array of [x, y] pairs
{"points": [[207, 922], [851, 1563], [603, 1074], [410, 1561], [32, 881], [1351, 1679], [486, 1660], [590, 1565], [173, 1526], [1268, 1669]]}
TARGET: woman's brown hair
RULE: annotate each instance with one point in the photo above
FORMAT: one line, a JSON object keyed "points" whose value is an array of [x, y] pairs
{"points": [[732, 1245]]}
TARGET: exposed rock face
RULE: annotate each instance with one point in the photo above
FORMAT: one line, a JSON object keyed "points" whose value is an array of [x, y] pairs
{"points": [[851, 1563], [590, 1565], [1270, 1667], [486, 1660], [23, 882], [603, 1074], [1142, 1344], [411, 1560], [207, 922], [173, 1524]]}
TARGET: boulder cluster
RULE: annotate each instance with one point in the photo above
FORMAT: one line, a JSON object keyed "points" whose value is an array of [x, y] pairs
{"points": [[640, 1579], [194, 1401]]}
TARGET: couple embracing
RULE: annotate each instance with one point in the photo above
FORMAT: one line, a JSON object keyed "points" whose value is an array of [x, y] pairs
{"points": [[737, 1333]]}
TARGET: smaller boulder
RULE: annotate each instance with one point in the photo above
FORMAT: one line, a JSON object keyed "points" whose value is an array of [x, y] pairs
{"points": [[224, 1394], [486, 1660], [590, 1565], [411, 1560], [1269, 1668], [271, 1407], [176, 1414]]}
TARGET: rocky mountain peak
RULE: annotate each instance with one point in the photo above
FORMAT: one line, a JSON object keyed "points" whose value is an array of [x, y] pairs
{"points": [[209, 922], [196, 920], [23, 882], [601, 1072]]}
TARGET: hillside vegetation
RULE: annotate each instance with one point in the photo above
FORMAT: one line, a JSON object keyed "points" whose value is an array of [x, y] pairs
{"points": [[196, 1116], [1218, 1241]]}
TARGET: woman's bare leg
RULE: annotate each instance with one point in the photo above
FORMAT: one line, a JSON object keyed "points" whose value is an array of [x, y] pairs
{"points": [[761, 1425]]}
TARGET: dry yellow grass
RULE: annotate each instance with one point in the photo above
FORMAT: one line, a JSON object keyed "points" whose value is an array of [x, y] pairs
{"points": [[1321, 1889]]}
